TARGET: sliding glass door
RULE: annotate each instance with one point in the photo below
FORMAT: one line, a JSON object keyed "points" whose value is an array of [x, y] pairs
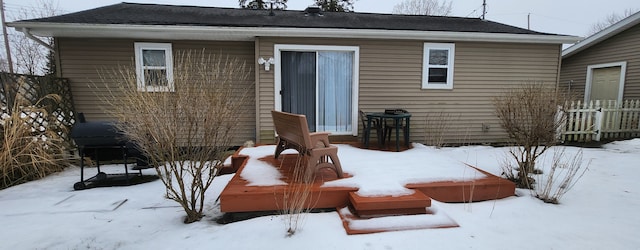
{"points": [[320, 84], [299, 84]]}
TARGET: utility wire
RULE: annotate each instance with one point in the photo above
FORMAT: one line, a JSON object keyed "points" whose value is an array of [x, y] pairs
{"points": [[474, 11]]}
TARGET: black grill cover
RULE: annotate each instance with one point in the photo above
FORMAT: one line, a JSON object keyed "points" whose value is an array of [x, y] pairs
{"points": [[97, 134]]}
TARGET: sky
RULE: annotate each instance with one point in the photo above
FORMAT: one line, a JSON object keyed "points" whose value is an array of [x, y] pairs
{"points": [[567, 17]]}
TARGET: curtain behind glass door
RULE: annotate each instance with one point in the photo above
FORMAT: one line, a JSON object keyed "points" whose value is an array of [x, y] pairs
{"points": [[335, 81]]}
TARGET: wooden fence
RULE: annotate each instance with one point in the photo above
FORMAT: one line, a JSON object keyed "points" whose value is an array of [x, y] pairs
{"points": [[601, 120], [32, 90]]}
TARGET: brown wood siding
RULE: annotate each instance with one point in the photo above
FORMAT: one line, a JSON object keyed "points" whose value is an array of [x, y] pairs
{"points": [[623, 47], [391, 75], [82, 60]]}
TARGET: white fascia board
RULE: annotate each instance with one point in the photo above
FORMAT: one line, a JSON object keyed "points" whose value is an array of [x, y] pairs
{"points": [[172, 32], [612, 30]]}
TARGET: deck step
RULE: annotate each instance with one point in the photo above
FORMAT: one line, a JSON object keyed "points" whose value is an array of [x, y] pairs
{"points": [[415, 203], [391, 212], [430, 218], [488, 188]]}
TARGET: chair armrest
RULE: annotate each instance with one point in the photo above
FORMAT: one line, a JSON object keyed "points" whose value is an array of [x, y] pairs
{"points": [[320, 137]]}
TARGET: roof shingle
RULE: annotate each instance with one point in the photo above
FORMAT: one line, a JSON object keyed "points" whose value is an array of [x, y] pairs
{"points": [[154, 14]]}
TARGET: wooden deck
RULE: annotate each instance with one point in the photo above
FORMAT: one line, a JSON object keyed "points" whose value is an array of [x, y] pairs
{"points": [[238, 196]]}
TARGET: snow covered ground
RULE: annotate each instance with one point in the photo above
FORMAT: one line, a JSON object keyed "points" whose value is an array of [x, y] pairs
{"points": [[600, 212]]}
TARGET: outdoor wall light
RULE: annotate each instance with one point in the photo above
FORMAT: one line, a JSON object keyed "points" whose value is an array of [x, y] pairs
{"points": [[267, 63]]}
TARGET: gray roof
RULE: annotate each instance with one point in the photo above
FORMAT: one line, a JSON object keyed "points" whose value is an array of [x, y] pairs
{"points": [[172, 15]]}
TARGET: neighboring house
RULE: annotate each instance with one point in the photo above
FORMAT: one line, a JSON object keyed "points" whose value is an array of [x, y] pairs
{"points": [[325, 65], [606, 65]]}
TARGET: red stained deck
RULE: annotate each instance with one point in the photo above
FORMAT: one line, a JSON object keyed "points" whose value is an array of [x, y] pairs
{"points": [[358, 214], [239, 197]]}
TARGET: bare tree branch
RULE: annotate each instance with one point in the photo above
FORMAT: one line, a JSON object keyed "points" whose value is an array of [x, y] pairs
{"points": [[263, 5], [31, 57], [611, 19], [423, 7]]}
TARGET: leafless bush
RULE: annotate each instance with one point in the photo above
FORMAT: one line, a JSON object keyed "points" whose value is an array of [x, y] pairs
{"points": [[29, 152], [296, 197], [564, 171], [436, 124], [508, 170], [531, 117], [185, 133]]}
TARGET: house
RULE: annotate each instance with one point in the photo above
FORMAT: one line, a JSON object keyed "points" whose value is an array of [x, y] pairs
{"points": [[444, 70], [606, 65]]}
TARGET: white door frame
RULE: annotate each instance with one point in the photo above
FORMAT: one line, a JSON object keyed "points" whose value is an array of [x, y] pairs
{"points": [[589, 81], [314, 48]]}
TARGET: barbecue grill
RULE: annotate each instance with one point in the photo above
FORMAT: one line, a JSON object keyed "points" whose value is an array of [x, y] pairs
{"points": [[102, 141]]}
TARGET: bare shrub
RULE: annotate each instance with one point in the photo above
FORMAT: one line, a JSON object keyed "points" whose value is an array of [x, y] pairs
{"points": [[436, 124], [531, 116], [185, 133], [29, 149], [564, 171], [508, 170], [296, 199]]}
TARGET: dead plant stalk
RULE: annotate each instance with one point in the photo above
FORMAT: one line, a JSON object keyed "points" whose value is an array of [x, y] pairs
{"points": [[436, 126], [564, 172], [296, 198]]}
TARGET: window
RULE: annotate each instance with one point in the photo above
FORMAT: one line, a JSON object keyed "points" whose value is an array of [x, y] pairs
{"points": [[437, 66], [154, 66]]}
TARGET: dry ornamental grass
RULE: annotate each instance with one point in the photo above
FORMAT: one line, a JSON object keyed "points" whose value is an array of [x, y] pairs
{"points": [[29, 152]]}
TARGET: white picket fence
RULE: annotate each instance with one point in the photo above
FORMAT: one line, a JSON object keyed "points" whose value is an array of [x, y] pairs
{"points": [[601, 120]]}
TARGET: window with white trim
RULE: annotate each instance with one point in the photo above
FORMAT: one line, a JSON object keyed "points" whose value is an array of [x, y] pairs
{"points": [[437, 65], [154, 66]]}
